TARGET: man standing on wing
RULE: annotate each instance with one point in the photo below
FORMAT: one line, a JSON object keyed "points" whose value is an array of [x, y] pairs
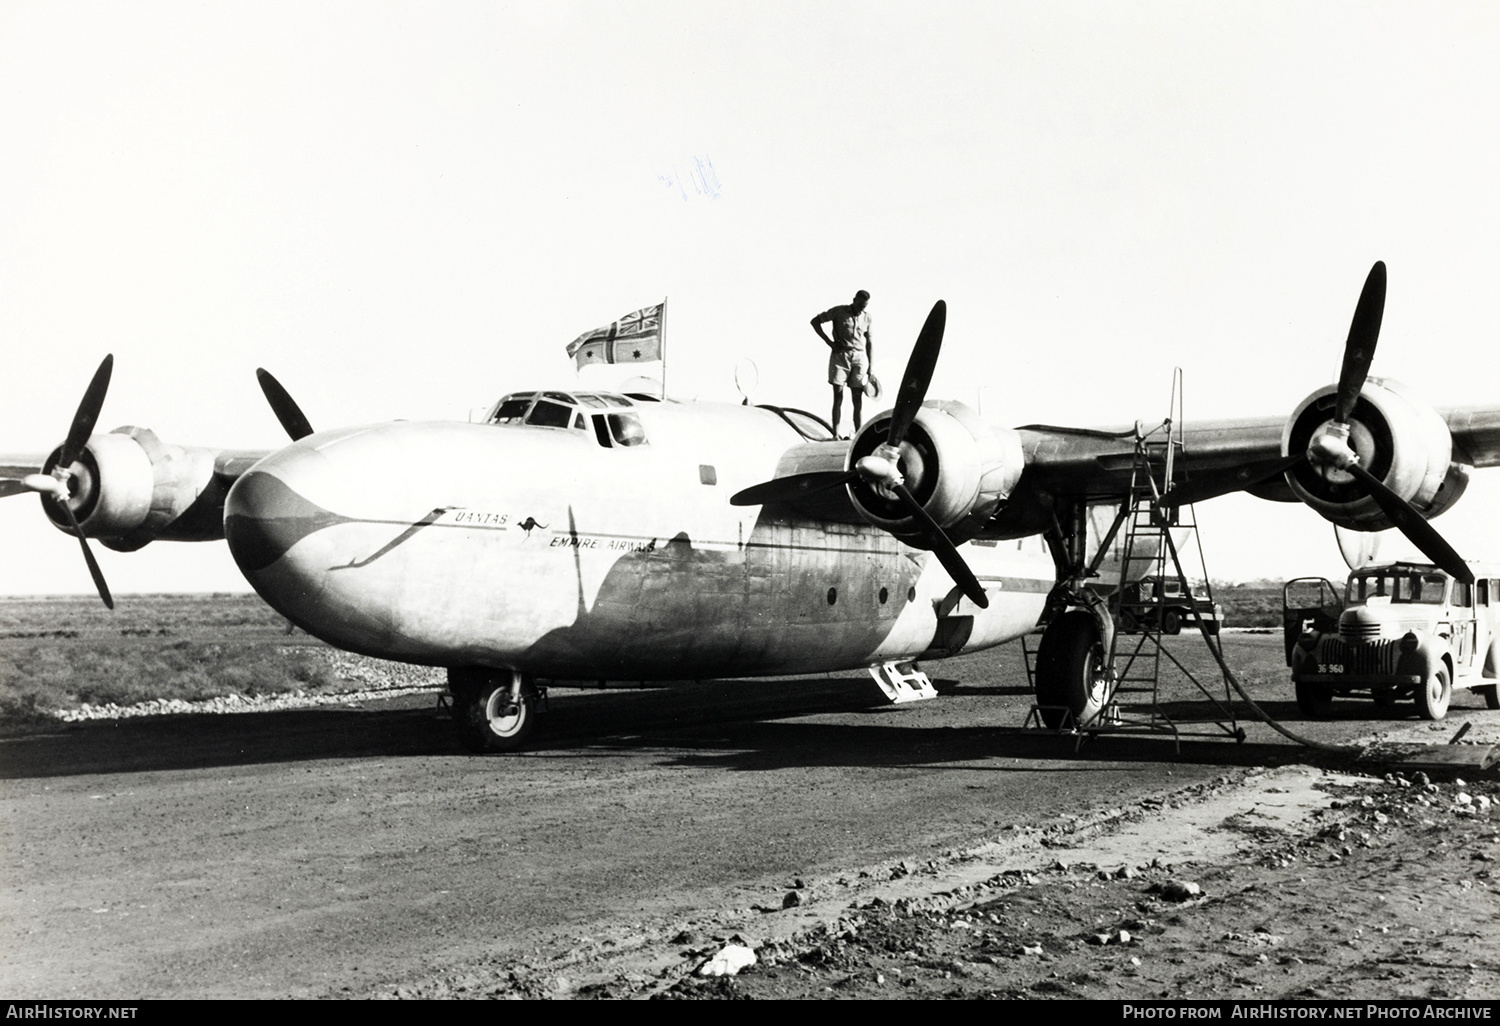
{"points": [[849, 361]]}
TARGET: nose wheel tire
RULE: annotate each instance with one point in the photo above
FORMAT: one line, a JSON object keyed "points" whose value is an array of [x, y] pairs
{"points": [[489, 715], [1435, 693]]}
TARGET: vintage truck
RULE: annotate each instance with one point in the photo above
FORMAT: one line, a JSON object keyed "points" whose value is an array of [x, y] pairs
{"points": [[1165, 603], [1402, 630]]}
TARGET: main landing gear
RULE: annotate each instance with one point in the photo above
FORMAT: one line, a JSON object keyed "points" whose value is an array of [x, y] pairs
{"points": [[1072, 672], [493, 710]]}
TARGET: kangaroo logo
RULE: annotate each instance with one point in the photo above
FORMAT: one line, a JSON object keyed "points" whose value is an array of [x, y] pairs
{"points": [[530, 522]]}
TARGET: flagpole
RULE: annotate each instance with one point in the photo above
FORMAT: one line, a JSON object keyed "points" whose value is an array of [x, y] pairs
{"points": [[663, 345]]}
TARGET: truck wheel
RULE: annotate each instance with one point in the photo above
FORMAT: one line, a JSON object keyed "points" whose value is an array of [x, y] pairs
{"points": [[1315, 700], [1171, 622], [1435, 693], [486, 719], [1070, 671], [1491, 693]]}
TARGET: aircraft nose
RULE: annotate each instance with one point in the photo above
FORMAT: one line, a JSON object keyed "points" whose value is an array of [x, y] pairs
{"points": [[264, 517]]}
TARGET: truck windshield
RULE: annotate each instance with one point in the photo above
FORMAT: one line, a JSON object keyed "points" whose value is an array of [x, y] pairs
{"points": [[1398, 586]]}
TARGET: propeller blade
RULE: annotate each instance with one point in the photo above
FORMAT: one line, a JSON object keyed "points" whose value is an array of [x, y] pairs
{"points": [[1359, 548], [87, 415], [918, 376], [1359, 350], [88, 557], [1411, 523], [795, 486], [945, 550], [1211, 485], [283, 405], [10, 486]]}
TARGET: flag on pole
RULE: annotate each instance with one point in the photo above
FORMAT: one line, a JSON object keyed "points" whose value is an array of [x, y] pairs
{"points": [[634, 338]]}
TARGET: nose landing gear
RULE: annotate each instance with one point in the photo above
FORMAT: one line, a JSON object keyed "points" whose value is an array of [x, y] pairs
{"points": [[493, 710]]}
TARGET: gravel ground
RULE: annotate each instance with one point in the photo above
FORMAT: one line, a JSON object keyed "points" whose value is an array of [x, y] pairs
{"points": [[361, 678], [1386, 888]]}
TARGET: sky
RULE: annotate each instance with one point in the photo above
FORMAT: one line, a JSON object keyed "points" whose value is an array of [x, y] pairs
{"points": [[405, 210]]}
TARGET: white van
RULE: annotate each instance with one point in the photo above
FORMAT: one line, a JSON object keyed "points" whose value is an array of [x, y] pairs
{"points": [[1402, 630]]}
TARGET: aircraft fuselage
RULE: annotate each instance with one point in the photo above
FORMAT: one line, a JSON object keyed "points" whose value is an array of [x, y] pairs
{"points": [[544, 550]]}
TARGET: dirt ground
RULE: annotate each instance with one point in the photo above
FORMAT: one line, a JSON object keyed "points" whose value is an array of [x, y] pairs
{"points": [[1373, 888], [1293, 883], [853, 849]]}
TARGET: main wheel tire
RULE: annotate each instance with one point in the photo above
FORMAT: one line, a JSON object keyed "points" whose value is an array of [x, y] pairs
{"points": [[486, 719], [1315, 700], [1070, 672], [1435, 693], [1491, 695]]}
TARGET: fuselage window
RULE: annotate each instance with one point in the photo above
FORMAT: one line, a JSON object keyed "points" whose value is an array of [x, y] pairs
{"points": [[626, 429]]}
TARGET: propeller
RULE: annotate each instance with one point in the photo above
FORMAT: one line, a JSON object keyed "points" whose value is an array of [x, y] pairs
{"points": [[1359, 548], [283, 405], [58, 483], [882, 468], [1329, 451]]}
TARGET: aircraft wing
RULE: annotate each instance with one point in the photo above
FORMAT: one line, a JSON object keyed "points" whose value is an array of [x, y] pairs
{"points": [[13, 468], [1237, 454], [1476, 434], [1090, 462]]}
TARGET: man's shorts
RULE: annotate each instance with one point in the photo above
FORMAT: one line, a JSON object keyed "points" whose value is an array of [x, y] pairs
{"points": [[848, 367]]}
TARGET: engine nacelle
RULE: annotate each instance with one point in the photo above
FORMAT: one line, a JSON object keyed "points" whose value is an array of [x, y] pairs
{"points": [[1399, 439], [958, 467], [128, 488]]}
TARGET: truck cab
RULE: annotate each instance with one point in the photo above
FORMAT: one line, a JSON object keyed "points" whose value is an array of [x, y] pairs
{"points": [[1403, 630], [1165, 604]]}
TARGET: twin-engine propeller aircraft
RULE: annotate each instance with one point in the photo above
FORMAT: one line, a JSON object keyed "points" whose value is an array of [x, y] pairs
{"points": [[583, 536]]}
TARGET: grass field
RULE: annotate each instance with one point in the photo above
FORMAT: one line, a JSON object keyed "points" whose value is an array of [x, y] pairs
{"points": [[61, 653]]}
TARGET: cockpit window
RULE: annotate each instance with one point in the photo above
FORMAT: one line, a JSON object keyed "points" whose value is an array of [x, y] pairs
{"points": [[511, 411], [626, 429], [555, 409], [550, 414]]}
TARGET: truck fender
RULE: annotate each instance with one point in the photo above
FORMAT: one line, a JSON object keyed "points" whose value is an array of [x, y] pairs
{"points": [[1425, 661], [1301, 654]]}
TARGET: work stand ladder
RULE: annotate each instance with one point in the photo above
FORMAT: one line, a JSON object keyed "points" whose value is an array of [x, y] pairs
{"points": [[1132, 660]]}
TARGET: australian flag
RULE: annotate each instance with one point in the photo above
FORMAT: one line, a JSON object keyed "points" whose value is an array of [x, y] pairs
{"points": [[634, 338]]}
